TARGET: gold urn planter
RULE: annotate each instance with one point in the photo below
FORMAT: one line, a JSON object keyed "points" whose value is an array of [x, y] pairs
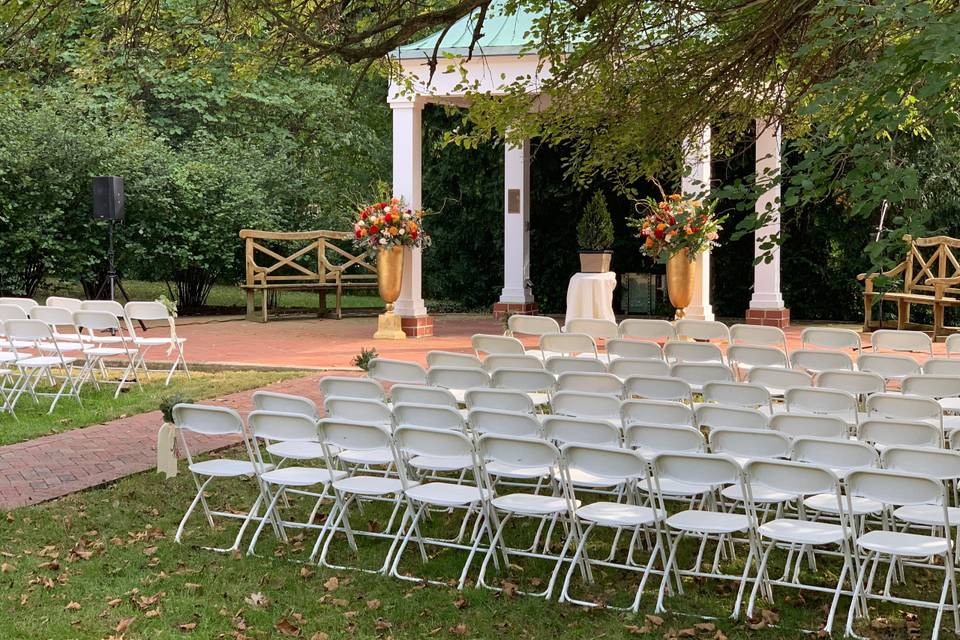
{"points": [[389, 282], [680, 276]]}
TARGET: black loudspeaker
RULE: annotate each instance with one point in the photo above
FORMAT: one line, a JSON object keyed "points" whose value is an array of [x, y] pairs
{"points": [[108, 197]]}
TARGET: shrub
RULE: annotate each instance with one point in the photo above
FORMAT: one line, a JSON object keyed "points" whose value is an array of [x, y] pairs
{"points": [[595, 230], [169, 402], [363, 358]]}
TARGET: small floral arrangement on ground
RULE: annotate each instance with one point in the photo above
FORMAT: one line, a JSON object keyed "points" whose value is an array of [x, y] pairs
{"points": [[674, 224], [389, 224]]}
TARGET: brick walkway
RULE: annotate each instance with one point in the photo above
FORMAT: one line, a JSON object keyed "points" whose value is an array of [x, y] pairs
{"points": [[63, 463]]}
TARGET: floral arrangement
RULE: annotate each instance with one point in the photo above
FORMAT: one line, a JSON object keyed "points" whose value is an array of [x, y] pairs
{"points": [[675, 224], [389, 224]]}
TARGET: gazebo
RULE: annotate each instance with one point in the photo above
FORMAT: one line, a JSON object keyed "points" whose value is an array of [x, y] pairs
{"points": [[500, 58]]}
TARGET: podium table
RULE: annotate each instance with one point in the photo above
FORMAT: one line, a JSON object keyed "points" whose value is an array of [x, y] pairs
{"points": [[590, 295]]}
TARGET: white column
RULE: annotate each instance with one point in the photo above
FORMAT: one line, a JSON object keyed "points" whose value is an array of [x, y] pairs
{"points": [[696, 184], [516, 224], [766, 275], [406, 185]]}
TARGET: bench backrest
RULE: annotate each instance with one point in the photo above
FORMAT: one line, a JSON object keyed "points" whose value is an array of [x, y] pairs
{"points": [[320, 260], [930, 258]]}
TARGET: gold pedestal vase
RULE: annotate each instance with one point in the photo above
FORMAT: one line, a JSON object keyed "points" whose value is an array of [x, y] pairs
{"points": [[680, 276], [389, 281]]}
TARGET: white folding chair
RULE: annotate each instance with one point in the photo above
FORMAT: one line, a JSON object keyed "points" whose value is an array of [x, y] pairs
{"points": [[834, 402], [739, 394], [816, 361], [532, 325], [742, 358], [842, 457], [777, 380], [657, 412], [114, 308], [486, 344], [396, 371], [579, 404], [292, 430], [944, 389], [952, 344], [27, 304], [155, 311], [896, 406], [220, 422], [622, 348], [702, 330], [453, 359], [656, 330], [348, 387], [64, 330], [884, 433], [614, 467], [96, 324], [832, 339], [708, 471], [286, 403], [457, 379], [569, 344], [428, 416], [891, 367], [744, 445], [499, 400], [942, 366], [900, 340], [596, 328], [697, 374], [799, 425], [505, 361], [606, 383], [361, 410], [539, 385], [504, 423], [718, 416], [623, 368], [73, 304], [418, 394], [563, 364], [562, 430], [858, 383], [653, 439], [34, 368], [679, 351], [759, 336], [942, 465], [898, 489], [658, 388], [12, 312]]}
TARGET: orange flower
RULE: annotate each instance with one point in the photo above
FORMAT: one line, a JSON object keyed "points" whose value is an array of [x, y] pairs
{"points": [[393, 231], [649, 243]]}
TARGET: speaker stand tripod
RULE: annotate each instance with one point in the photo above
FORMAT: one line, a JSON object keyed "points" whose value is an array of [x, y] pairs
{"points": [[113, 281]]}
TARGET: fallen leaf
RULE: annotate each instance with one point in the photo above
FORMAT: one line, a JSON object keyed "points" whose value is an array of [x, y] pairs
{"points": [[73, 606], [705, 627], [123, 625], [153, 613], [373, 604], [149, 551], [332, 584], [459, 630], [115, 602], [770, 617], [654, 620], [687, 633], [720, 635], [461, 603], [382, 625], [6, 567], [306, 572], [509, 588], [634, 629], [187, 626], [320, 635], [286, 628], [257, 600]]}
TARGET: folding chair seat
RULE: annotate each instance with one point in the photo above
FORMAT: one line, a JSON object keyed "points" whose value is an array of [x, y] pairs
{"points": [[940, 464], [798, 533], [357, 436], [702, 330], [718, 416], [457, 379], [486, 344], [115, 309], [435, 418], [580, 404], [831, 339], [777, 380], [942, 366], [96, 324], [72, 304], [155, 311], [62, 327], [900, 340], [884, 433], [744, 446], [742, 358], [739, 394], [501, 361], [678, 351], [858, 383], [500, 400], [800, 425], [615, 467], [522, 453], [658, 388], [651, 440], [707, 470], [34, 368], [656, 330], [349, 387], [221, 422], [27, 304], [417, 394], [890, 367], [453, 359], [697, 374], [814, 361], [897, 489], [623, 368], [563, 364], [833, 402], [896, 406], [622, 348], [656, 412], [562, 430], [605, 383], [539, 385], [842, 457], [291, 429], [396, 371], [286, 403], [569, 344], [945, 389], [362, 411]]}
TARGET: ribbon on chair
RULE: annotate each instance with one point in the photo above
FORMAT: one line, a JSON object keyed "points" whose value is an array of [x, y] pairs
{"points": [[173, 334], [166, 454]]}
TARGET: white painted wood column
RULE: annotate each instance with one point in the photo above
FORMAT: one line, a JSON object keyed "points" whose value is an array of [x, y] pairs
{"points": [[696, 184], [766, 305], [516, 226], [407, 168]]}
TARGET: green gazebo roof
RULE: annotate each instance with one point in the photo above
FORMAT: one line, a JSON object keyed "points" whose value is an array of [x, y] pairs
{"points": [[503, 35]]}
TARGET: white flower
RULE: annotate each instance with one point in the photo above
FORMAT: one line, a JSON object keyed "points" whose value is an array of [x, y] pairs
{"points": [[402, 231], [383, 241]]}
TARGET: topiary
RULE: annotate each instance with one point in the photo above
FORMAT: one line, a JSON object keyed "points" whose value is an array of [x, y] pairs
{"points": [[595, 230], [363, 358], [169, 402]]}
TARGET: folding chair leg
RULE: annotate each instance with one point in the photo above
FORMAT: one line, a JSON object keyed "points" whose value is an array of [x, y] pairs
{"points": [[269, 514], [193, 505]]}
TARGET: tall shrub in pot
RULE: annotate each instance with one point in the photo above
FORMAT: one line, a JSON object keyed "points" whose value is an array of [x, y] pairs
{"points": [[595, 236]]}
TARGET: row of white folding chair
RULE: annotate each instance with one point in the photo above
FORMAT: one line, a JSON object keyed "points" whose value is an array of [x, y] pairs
{"points": [[26, 366]]}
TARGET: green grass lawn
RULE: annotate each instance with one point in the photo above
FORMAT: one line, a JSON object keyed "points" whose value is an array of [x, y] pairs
{"points": [[103, 564], [100, 406]]}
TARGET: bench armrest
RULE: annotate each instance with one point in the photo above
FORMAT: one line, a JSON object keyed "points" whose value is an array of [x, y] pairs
{"points": [[867, 278], [941, 284]]}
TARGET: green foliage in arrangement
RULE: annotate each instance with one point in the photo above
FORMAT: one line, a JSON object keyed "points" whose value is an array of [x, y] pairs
{"points": [[362, 359], [595, 229]]}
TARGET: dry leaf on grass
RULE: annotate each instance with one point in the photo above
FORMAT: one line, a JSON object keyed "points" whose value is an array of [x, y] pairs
{"points": [[320, 635], [124, 624], [332, 584], [149, 551], [73, 606], [187, 626], [459, 630], [382, 625], [306, 572], [257, 600], [373, 604], [6, 567], [461, 603], [654, 620], [286, 628]]}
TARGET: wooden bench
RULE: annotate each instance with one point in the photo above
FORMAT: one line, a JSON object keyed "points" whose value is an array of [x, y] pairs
{"points": [[320, 265], [930, 274]]}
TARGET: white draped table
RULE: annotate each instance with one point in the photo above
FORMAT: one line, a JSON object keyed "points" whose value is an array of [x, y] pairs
{"points": [[590, 295]]}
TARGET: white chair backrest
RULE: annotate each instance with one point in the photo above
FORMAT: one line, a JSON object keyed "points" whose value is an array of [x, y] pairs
{"points": [[280, 426], [591, 383], [897, 406], [952, 344], [568, 344], [815, 361], [718, 416], [626, 367], [888, 365], [344, 434], [532, 325], [506, 423], [207, 420], [836, 454], [737, 394], [511, 361], [420, 441], [358, 410], [347, 387], [585, 405], [755, 356], [662, 412], [858, 383], [145, 311], [417, 394], [96, 321], [12, 312], [793, 477], [657, 330], [498, 399], [27, 330], [777, 380], [24, 303], [758, 335], [800, 425], [593, 327], [110, 306], [899, 340], [284, 403], [941, 464], [53, 316], [529, 380], [73, 304], [897, 488], [564, 429], [401, 371], [659, 438], [678, 351], [942, 366], [488, 344], [899, 433], [658, 388], [931, 386], [563, 364], [834, 402], [826, 338], [709, 469], [457, 377], [700, 373], [430, 416], [517, 452], [452, 359], [702, 330], [612, 463], [634, 349], [750, 443]]}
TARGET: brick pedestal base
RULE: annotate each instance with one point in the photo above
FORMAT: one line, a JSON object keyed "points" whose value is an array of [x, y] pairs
{"points": [[417, 326], [769, 317], [503, 309]]}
